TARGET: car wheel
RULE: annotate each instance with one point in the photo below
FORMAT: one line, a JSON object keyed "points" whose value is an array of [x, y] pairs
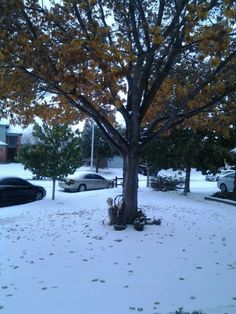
{"points": [[38, 196], [223, 188], [82, 188]]}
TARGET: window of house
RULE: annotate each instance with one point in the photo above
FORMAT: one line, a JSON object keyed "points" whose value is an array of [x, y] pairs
{"points": [[12, 141]]}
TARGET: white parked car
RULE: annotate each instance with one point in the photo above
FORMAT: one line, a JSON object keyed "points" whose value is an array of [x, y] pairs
{"points": [[84, 181], [226, 182], [215, 177]]}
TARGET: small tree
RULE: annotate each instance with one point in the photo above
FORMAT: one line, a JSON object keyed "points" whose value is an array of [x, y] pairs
{"points": [[102, 148], [56, 154]]}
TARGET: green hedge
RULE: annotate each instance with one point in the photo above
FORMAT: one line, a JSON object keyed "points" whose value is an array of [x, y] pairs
{"points": [[226, 195]]}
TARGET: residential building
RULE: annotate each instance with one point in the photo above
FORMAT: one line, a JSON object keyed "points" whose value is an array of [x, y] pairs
{"points": [[10, 138]]}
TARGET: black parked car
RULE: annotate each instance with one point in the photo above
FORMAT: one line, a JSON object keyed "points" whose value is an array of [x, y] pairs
{"points": [[142, 169], [15, 190]]}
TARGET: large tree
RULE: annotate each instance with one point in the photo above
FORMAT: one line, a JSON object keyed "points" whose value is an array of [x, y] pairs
{"points": [[156, 62]]}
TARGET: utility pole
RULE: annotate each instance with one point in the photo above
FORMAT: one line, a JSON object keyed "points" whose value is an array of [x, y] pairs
{"points": [[92, 147]]}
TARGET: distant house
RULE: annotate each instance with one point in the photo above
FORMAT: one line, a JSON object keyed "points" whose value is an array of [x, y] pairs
{"points": [[10, 138], [115, 162]]}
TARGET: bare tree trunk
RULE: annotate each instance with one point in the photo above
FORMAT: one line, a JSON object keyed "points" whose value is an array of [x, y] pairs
{"points": [[187, 180], [148, 177], [97, 165], [53, 188], [234, 188], [130, 185]]}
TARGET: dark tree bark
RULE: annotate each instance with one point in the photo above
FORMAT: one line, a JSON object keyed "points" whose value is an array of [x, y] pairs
{"points": [[234, 190], [187, 180], [53, 188], [130, 184]]}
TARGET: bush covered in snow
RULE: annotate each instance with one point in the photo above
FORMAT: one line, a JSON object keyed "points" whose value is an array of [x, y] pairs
{"points": [[161, 183]]}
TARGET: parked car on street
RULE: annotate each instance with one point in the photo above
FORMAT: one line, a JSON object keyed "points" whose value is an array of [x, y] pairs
{"points": [[143, 169], [226, 182], [84, 181], [210, 176], [14, 190], [215, 177]]}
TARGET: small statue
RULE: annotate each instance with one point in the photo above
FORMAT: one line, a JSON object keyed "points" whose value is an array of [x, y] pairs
{"points": [[110, 210]]}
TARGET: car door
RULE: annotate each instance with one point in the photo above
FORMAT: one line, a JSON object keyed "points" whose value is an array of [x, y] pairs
{"points": [[9, 195], [89, 181], [93, 181], [18, 190], [2, 196], [99, 182], [229, 180], [25, 189]]}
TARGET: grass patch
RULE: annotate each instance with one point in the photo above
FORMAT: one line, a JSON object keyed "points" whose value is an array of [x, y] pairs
{"points": [[226, 195]]}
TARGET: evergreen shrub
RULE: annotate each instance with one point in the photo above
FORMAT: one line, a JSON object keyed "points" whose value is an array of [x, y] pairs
{"points": [[226, 195], [161, 183]]}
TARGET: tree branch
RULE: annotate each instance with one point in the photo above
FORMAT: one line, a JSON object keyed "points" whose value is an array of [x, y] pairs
{"points": [[144, 23], [172, 121], [134, 27], [79, 18], [30, 25]]}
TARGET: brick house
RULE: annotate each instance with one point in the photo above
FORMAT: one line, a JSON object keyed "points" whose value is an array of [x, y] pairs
{"points": [[10, 138]]}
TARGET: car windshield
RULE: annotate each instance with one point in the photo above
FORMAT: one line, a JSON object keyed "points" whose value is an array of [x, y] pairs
{"points": [[230, 175], [227, 171], [86, 175]]}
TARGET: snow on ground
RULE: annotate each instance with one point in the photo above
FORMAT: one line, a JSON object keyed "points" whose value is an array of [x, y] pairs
{"points": [[57, 257]]}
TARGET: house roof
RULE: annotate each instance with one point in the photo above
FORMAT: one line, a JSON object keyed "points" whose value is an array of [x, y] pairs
{"points": [[2, 143], [3, 122], [14, 130], [11, 130]]}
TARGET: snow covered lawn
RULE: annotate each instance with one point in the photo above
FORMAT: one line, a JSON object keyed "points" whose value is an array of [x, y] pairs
{"points": [[57, 257]]}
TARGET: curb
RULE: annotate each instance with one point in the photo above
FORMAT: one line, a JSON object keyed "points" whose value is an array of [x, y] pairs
{"points": [[220, 200]]}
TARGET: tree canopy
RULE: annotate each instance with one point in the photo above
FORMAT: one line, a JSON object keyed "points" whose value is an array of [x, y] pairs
{"points": [[156, 62], [106, 56]]}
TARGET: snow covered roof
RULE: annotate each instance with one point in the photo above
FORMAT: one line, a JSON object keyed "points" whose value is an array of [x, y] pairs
{"points": [[3, 122], [2, 143], [14, 130], [10, 129]]}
